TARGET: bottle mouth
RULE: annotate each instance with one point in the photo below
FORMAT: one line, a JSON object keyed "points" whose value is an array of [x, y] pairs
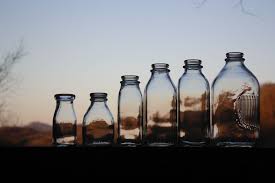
{"points": [[130, 78], [64, 97], [193, 64], [234, 56], [160, 67], [98, 95]]}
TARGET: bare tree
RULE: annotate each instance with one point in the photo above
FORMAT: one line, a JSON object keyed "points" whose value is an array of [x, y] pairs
{"points": [[240, 4], [7, 63]]}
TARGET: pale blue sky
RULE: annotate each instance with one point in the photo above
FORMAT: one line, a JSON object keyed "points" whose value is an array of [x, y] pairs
{"points": [[85, 46]]}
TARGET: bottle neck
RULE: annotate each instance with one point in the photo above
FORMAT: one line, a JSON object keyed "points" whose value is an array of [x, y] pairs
{"points": [[160, 70], [129, 83], [98, 103], [192, 71], [192, 66], [65, 105]]}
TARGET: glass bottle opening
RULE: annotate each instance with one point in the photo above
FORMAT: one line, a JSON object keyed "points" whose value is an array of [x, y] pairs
{"points": [[129, 79], [98, 96], [234, 56], [64, 97], [192, 64], [160, 66]]}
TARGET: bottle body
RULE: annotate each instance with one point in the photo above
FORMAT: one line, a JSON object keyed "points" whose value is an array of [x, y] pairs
{"points": [[130, 112], [193, 106], [98, 122], [160, 108], [235, 105], [64, 121]]}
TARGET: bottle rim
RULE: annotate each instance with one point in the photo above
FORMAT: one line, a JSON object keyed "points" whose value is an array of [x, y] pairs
{"points": [[160, 67], [130, 78], [192, 64], [64, 96], [234, 56], [98, 95]]}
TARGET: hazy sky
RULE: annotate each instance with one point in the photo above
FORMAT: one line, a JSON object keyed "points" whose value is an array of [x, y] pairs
{"points": [[85, 46]]}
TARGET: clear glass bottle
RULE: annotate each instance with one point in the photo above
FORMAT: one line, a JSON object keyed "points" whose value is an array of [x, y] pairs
{"points": [[130, 112], [98, 122], [64, 121], [235, 104], [160, 108], [193, 105]]}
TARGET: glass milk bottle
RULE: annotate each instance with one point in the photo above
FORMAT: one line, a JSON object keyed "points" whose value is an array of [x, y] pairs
{"points": [[235, 104], [98, 122], [64, 121], [194, 105], [160, 108], [130, 112]]}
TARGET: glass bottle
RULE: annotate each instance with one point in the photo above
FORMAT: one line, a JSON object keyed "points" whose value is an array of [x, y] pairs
{"points": [[130, 112], [235, 104], [160, 108], [98, 122], [64, 121], [193, 105]]}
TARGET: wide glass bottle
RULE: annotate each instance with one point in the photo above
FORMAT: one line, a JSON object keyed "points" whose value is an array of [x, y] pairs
{"points": [[160, 108], [98, 122], [193, 105], [130, 112], [64, 121], [235, 104]]}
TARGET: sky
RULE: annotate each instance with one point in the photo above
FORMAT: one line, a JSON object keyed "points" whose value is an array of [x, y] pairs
{"points": [[85, 46]]}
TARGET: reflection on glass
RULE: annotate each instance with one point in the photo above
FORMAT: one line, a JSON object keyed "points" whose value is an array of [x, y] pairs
{"points": [[235, 104], [194, 105], [98, 122], [160, 108], [130, 112], [64, 121]]}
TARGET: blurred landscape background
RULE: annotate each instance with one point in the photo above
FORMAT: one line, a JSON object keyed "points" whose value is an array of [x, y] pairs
{"points": [[40, 133], [80, 47]]}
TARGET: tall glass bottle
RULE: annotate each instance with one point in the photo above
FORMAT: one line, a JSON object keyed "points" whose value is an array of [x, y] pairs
{"points": [[98, 122], [130, 112], [235, 104], [160, 108], [193, 105], [64, 121]]}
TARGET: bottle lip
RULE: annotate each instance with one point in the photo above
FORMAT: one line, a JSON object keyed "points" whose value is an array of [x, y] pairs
{"points": [[234, 56], [192, 64], [130, 78], [98, 95], [160, 67], [64, 96]]}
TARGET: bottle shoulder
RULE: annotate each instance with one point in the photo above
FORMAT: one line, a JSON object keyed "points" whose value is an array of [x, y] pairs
{"points": [[130, 92], [94, 114], [198, 80], [160, 84], [235, 80]]}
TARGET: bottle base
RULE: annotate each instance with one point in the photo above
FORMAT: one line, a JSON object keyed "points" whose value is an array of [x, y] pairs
{"points": [[64, 145], [160, 144], [236, 144], [99, 144], [193, 144], [129, 144]]}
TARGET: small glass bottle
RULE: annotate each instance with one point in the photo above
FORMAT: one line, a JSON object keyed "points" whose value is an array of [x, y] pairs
{"points": [[64, 121], [98, 122], [194, 105], [235, 104], [130, 112], [160, 108]]}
